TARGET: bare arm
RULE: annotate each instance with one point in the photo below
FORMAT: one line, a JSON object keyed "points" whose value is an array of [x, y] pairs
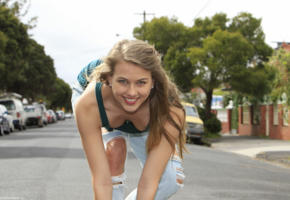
{"points": [[156, 162], [89, 126]]}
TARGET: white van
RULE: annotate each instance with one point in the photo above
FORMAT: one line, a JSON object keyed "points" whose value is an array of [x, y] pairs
{"points": [[35, 114], [12, 101], [4, 112]]}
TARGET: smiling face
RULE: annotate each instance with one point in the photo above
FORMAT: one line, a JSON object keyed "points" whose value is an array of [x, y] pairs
{"points": [[131, 85]]}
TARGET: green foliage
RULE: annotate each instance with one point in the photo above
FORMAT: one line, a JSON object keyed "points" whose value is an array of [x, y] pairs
{"points": [[24, 66], [280, 62], [213, 52], [222, 54], [251, 29], [212, 124], [179, 68], [19, 9], [259, 81], [162, 32], [219, 92], [61, 95], [13, 57]]}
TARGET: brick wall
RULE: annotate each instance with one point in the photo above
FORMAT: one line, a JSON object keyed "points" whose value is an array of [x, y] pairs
{"points": [[278, 131]]}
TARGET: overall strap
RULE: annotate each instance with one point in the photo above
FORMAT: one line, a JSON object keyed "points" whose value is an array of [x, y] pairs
{"points": [[104, 118]]}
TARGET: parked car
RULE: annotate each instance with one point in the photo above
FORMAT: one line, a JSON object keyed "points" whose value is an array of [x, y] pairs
{"points": [[4, 112], [43, 112], [60, 115], [194, 128], [4, 125], [34, 115], [51, 116], [68, 115], [12, 101]]}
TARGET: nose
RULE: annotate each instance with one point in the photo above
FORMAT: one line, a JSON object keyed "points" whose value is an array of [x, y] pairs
{"points": [[132, 90]]}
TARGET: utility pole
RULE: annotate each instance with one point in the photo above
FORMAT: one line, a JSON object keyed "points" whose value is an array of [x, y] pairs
{"points": [[144, 20], [144, 15]]}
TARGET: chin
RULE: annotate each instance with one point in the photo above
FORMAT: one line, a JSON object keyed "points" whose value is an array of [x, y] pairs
{"points": [[130, 109]]}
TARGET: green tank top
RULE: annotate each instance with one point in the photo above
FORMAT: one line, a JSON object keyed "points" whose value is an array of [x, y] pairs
{"points": [[127, 127]]}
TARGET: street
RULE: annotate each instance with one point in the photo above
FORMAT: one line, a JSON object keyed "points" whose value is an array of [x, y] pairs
{"points": [[49, 164]]}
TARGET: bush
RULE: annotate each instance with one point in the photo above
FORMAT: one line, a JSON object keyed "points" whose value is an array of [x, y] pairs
{"points": [[211, 125]]}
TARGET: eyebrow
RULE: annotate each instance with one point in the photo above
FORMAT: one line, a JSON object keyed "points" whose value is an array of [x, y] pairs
{"points": [[141, 79]]}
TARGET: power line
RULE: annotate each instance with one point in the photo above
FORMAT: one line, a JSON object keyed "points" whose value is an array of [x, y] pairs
{"points": [[204, 7]]}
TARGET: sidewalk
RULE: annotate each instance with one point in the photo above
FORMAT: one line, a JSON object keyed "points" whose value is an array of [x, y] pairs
{"points": [[255, 147]]}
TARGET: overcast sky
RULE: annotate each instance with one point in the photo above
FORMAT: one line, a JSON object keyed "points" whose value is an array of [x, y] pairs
{"points": [[75, 32]]}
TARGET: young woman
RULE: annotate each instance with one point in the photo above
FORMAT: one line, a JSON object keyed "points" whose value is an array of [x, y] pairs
{"points": [[129, 100]]}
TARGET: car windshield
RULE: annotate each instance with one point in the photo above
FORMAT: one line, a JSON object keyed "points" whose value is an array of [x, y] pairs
{"points": [[8, 104], [191, 111]]}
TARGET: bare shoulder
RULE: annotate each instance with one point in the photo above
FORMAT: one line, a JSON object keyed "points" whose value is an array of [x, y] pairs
{"points": [[87, 99], [87, 106]]}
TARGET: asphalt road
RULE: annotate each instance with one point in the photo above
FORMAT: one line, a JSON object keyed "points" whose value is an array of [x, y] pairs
{"points": [[49, 164]]}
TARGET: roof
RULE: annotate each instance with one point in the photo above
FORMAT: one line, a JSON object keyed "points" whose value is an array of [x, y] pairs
{"points": [[283, 45], [10, 95]]}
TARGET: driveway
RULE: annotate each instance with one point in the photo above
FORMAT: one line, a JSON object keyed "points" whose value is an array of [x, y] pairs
{"points": [[277, 151]]}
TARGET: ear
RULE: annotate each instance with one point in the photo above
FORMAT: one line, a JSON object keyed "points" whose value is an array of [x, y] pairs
{"points": [[110, 80]]}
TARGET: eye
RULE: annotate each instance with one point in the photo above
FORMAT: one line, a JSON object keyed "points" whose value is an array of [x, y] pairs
{"points": [[122, 81], [141, 82]]}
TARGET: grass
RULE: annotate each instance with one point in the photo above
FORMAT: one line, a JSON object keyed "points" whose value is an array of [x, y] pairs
{"points": [[208, 138], [212, 135]]}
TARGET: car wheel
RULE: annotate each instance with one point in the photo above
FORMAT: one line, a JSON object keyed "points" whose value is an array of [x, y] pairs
{"points": [[1, 132], [197, 140], [7, 131]]}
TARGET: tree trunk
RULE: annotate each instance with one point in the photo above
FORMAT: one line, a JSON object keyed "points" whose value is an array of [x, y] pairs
{"points": [[208, 103]]}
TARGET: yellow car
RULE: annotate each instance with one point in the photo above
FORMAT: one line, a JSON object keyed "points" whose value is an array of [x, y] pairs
{"points": [[194, 128]]}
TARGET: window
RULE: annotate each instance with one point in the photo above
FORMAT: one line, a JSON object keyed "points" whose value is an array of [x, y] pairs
{"points": [[29, 109], [191, 111], [8, 104]]}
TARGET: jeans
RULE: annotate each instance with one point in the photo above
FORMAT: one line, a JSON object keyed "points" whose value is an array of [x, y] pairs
{"points": [[168, 184]]}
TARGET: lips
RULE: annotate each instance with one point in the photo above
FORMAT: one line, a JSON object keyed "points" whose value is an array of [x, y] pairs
{"points": [[130, 101]]}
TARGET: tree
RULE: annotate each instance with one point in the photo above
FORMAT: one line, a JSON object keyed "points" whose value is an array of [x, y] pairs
{"points": [[25, 68], [40, 75], [214, 52], [20, 8], [61, 95], [162, 32], [281, 62], [3, 43], [16, 41], [221, 55]]}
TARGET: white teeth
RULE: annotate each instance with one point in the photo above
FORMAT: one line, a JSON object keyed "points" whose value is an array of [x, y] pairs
{"points": [[130, 100]]}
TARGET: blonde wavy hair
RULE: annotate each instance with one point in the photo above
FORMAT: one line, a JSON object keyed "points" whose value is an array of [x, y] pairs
{"points": [[163, 96]]}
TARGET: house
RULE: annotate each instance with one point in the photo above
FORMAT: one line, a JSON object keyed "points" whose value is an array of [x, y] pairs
{"points": [[267, 119]]}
